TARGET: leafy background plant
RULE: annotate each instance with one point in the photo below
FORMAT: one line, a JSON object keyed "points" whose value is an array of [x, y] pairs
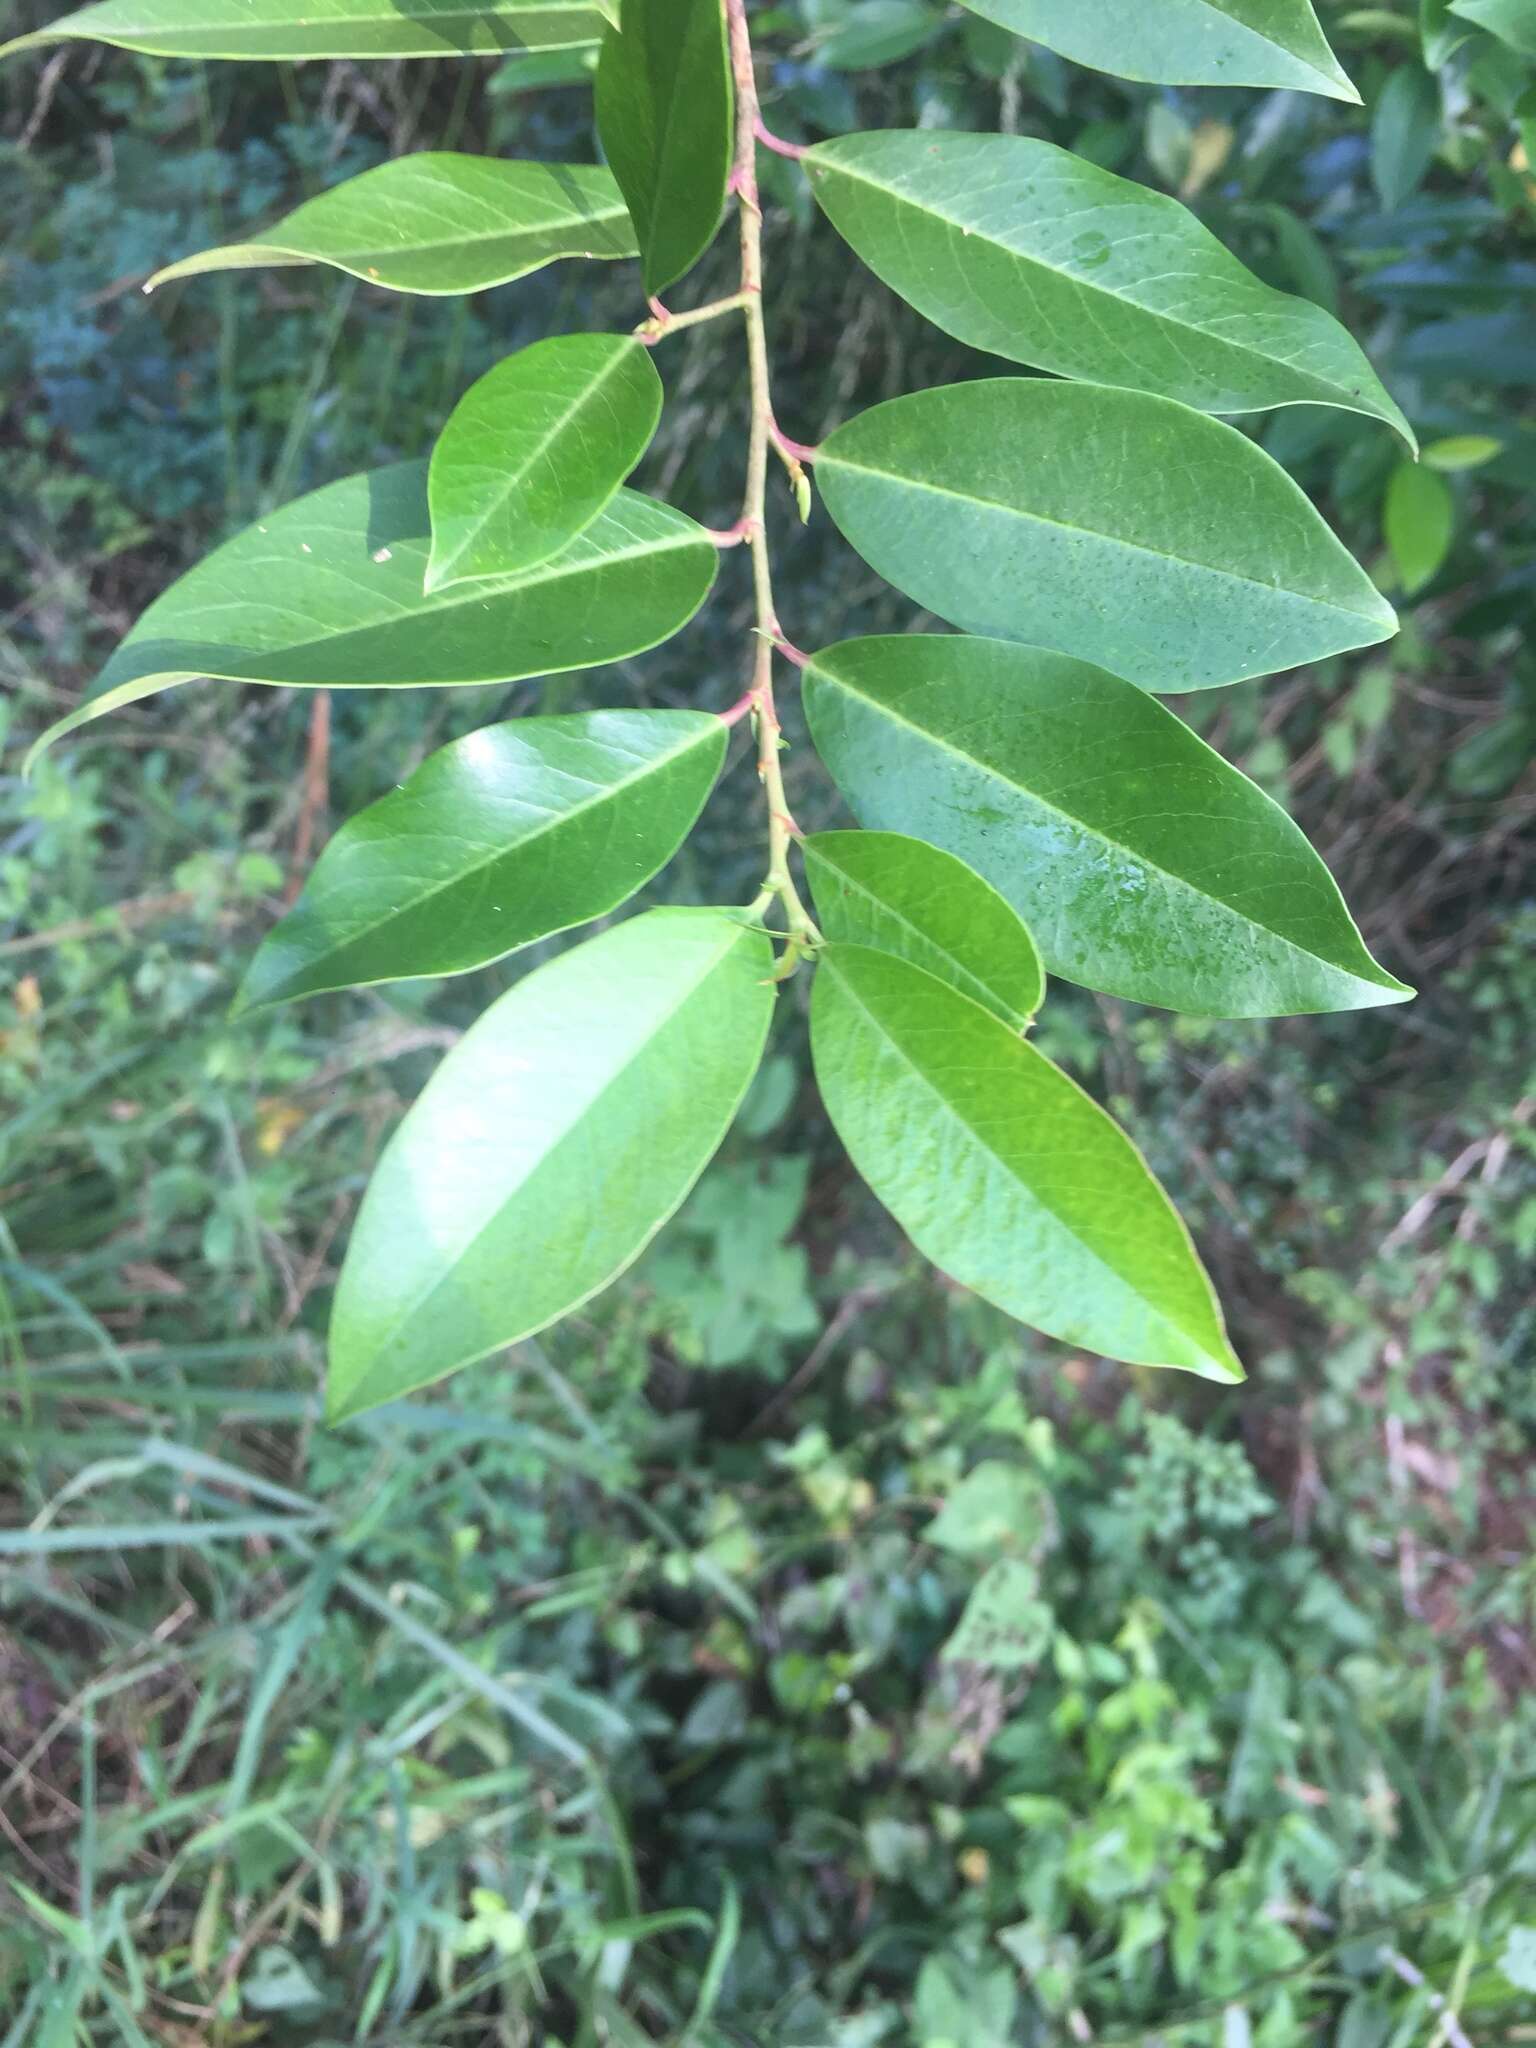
{"points": [[611, 1702]]}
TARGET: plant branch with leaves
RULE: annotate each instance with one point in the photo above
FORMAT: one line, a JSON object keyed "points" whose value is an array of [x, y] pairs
{"points": [[1094, 537]]}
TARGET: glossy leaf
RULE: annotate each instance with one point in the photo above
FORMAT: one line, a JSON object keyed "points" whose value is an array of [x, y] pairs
{"points": [[1144, 864], [1512, 21], [665, 112], [903, 896], [326, 593], [1013, 245], [548, 1148], [326, 28], [1420, 521], [1124, 528], [1184, 42], [534, 451], [438, 223], [1002, 1171], [498, 839]]}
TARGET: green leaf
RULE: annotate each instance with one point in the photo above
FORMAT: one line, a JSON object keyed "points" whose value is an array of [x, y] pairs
{"points": [[1013, 245], [326, 28], [326, 593], [1512, 21], [998, 1506], [438, 223], [1184, 42], [665, 115], [1419, 519], [499, 839], [877, 32], [1110, 524], [1006, 1626], [534, 451], [1002, 1171], [903, 896], [1405, 128], [549, 1148], [1144, 864], [1461, 451]]}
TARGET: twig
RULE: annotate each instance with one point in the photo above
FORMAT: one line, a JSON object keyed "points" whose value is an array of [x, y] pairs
{"points": [[802, 932]]}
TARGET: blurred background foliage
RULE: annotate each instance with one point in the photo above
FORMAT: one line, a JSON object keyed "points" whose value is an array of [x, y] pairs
{"points": [[788, 1651]]}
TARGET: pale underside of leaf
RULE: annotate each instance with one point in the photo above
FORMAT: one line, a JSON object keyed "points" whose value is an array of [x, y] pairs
{"points": [[1003, 1172], [279, 29], [552, 1144], [1016, 246], [438, 224]]}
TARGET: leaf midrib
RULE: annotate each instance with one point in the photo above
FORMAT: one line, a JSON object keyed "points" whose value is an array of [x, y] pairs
{"points": [[458, 596], [829, 459], [899, 917], [1085, 284], [1081, 825], [512, 478], [607, 214], [992, 1153], [554, 823], [588, 1108]]}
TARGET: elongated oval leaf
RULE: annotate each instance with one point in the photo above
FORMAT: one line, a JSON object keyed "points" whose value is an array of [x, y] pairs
{"points": [[1144, 864], [534, 451], [1512, 21], [326, 28], [438, 223], [503, 837], [665, 112], [549, 1148], [1002, 1171], [1127, 529], [906, 897], [326, 593], [1184, 42], [1419, 517], [1016, 246]]}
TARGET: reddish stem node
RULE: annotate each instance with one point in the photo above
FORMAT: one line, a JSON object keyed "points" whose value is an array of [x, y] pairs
{"points": [[765, 135], [792, 451]]}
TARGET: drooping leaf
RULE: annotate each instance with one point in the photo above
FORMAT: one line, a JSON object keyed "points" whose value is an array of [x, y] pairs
{"points": [[438, 223], [327, 593], [665, 114], [1185, 42], [498, 839], [533, 452], [1002, 1171], [1405, 128], [1013, 245], [1420, 521], [326, 28], [1127, 529], [904, 896], [1144, 864], [548, 1148], [1512, 21]]}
